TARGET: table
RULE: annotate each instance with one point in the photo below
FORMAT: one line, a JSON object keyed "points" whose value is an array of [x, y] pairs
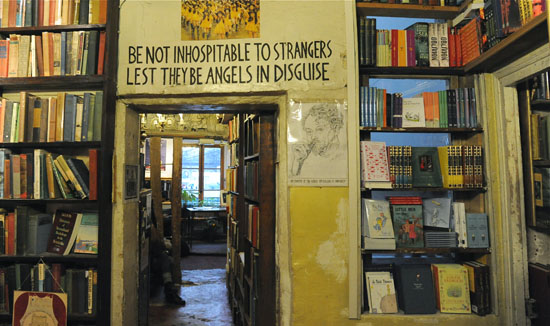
{"points": [[194, 214]]}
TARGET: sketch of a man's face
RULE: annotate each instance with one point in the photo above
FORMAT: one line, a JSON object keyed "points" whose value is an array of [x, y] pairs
{"points": [[321, 127]]}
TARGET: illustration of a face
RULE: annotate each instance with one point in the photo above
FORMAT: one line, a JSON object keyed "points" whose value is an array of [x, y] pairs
{"points": [[318, 134]]}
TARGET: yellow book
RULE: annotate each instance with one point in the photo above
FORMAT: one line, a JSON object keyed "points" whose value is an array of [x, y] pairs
{"points": [[5, 11], [60, 113], [46, 53], [446, 169], [535, 144], [402, 48], [452, 287], [459, 183], [53, 190], [65, 167], [13, 55], [94, 12]]}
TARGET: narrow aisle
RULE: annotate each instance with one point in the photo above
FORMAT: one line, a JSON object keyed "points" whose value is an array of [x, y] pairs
{"points": [[204, 291]]}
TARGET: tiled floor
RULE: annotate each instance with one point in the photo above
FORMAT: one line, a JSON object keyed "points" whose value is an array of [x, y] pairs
{"points": [[203, 289]]}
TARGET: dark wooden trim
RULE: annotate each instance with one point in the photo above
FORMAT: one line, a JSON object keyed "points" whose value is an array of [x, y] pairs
{"points": [[155, 181], [202, 95], [52, 28], [176, 211], [53, 83], [422, 129], [266, 308], [410, 72], [56, 145], [79, 259], [14, 202], [429, 251], [407, 10], [203, 108]]}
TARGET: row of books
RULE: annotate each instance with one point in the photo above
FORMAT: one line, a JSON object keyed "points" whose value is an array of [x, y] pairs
{"points": [[234, 128], [43, 175], [231, 179], [252, 135], [495, 21], [27, 231], [453, 108], [80, 285], [425, 289], [65, 117], [53, 54], [455, 166], [25, 13], [415, 222], [419, 45], [251, 177]]}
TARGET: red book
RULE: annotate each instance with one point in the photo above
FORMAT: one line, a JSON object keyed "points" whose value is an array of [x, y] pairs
{"points": [[12, 13], [101, 53], [394, 47], [23, 174], [411, 56], [51, 19], [458, 48], [62, 235], [452, 48], [255, 225], [7, 178], [103, 11], [4, 60], [39, 55], [10, 238], [93, 173], [40, 12], [50, 50], [56, 274]]}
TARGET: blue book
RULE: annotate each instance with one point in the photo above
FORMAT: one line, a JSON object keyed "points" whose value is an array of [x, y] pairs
{"points": [[69, 120], [39, 232], [477, 230]]}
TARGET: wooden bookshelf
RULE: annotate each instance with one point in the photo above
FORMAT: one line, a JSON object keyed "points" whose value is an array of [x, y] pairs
{"points": [[407, 10], [527, 38], [53, 83], [52, 28], [422, 130], [408, 72], [429, 251], [54, 145]]}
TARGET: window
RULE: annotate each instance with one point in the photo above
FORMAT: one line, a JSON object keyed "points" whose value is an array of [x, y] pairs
{"points": [[201, 174]]}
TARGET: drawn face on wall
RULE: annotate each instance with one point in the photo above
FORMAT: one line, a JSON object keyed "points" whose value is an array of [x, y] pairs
{"points": [[319, 135]]}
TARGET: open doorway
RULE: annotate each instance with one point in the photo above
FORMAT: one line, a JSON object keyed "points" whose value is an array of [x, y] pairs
{"points": [[214, 179]]}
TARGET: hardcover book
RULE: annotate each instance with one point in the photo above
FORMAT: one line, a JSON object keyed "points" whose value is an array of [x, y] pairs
{"points": [[477, 230], [408, 226], [437, 212], [381, 292], [426, 169], [39, 230], [452, 288], [374, 165], [416, 289], [63, 232]]}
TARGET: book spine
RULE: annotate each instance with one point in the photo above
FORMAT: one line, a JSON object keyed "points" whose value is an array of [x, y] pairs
{"points": [[93, 161]]}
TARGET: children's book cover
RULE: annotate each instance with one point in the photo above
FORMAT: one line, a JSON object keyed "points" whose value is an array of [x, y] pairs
{"points": [[408, 226]]}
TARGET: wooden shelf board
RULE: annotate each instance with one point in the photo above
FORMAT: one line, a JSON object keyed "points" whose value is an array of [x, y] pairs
{"points": [[429, 251], [38, 145], [61, 83], [540, 105], [4, 201], [428, 189], [251, 199], [406, 10], [542, 163], [407, 72], [529, 37], [51, 258], [53, 28], [421, 129], [441, 318], [80, 318], [252, 157]]}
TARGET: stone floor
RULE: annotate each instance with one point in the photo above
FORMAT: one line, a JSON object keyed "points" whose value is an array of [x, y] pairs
{"points": [[204, 290]]}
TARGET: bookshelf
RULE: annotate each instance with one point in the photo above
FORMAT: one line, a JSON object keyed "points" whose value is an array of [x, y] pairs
{"points": [[474, 198], [251, 220], [37, 83]]}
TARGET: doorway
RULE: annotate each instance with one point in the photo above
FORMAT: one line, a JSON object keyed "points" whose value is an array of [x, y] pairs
{"points": [[212, 245]]}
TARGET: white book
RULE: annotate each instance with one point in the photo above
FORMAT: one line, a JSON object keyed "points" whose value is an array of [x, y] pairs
{"points": [[377, 221], [433, 45], [459, 216], [413, 112], [443, 33], [374, 165], [381, 291]]}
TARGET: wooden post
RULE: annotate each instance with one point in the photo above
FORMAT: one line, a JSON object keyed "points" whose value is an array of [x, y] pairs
{"points": [[176, 211], [155, 183]]}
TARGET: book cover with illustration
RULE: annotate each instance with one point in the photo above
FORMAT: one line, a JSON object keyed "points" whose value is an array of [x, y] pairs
{"points": [[413, 112], [452, 288], [39, 308], [437, 212], [377, 221], [408, 226], [381, 292]]}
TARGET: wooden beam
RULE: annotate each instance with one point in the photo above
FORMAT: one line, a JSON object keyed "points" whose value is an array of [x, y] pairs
{"points": [[155, 183], [176, 211]]}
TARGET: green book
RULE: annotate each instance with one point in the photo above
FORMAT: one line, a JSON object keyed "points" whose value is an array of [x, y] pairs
{"points": [[426, 168], [407, 225], [97, 115]]}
